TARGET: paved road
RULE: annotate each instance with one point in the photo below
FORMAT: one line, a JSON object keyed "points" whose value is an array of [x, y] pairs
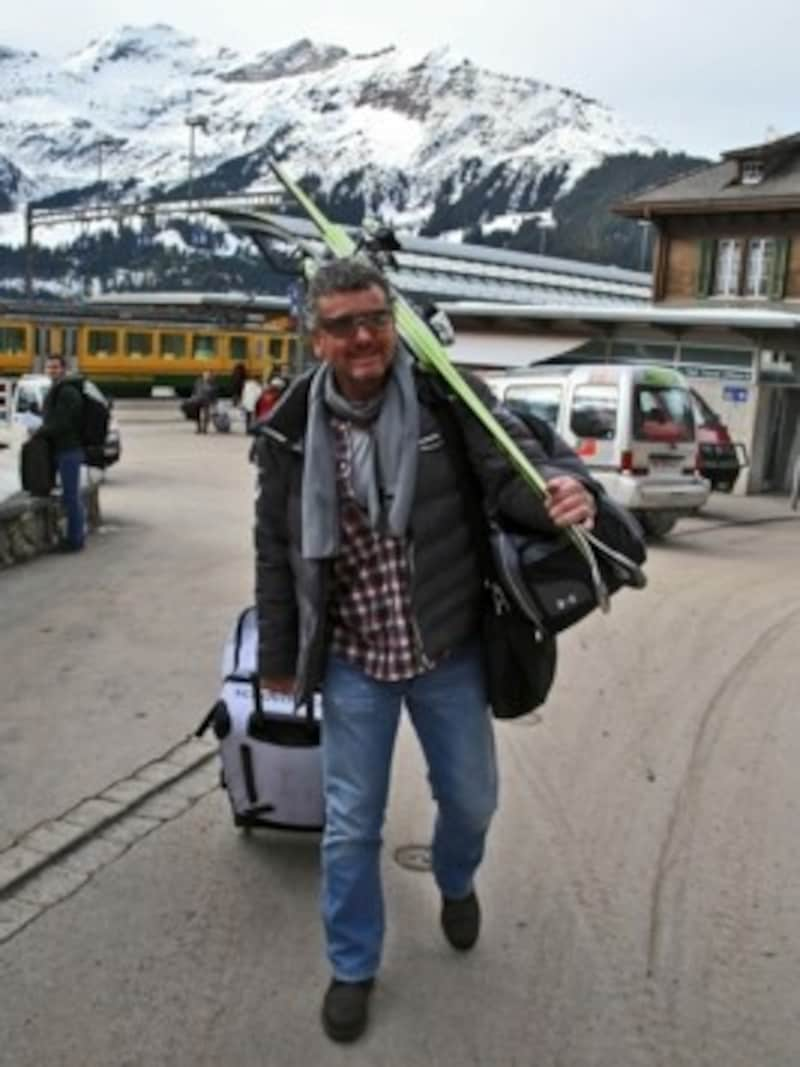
{"points": [[108, 657], [641, 890]]}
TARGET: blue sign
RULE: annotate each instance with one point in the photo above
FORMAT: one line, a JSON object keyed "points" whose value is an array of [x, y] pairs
{"points": [[736, 394]]}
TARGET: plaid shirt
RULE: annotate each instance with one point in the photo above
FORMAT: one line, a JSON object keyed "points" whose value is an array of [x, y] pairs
{"points": [[373, 624]]}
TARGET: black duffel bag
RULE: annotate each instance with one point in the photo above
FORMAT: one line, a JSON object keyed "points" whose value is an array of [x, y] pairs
{"points": [[553, 582], [191, 408]]}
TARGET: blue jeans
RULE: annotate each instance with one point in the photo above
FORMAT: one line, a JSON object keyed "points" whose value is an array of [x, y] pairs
{"points": [[69, 474], [449, 712]]}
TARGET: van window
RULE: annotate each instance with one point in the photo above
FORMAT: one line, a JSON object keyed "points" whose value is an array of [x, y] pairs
{"points": [[29, 399], [704, 414], [594, 411], [543, 401], [662, 414]]}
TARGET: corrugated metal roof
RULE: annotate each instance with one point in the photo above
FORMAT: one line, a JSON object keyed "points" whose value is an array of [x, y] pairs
{"points": [[438, 269], [645, 315]]}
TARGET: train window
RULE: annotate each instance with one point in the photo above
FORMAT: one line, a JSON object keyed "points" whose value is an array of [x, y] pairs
{"points": [[276, 345], [237, 346], [102, 343], [138, 345], [204, 346], [172, 346], [12, 340]]}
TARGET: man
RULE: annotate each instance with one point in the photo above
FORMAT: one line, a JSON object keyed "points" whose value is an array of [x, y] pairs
{"points": [[204, 392], [367, 586], [61, 425]]}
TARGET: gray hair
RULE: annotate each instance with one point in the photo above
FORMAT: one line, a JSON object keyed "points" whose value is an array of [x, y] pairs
{"points": [[348, 275]]}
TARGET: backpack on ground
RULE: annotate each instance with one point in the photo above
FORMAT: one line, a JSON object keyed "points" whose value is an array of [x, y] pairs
{"points": [[269, 750]]}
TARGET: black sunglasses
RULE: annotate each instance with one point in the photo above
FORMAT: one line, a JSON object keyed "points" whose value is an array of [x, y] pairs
{"points": [[347, 325]]}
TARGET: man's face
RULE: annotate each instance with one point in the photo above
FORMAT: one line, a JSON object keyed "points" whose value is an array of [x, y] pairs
{"points": [[54, 369], [355, 333]]}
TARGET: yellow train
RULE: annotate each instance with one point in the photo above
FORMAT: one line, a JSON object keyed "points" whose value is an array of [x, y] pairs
{"points": [[130, 343]]}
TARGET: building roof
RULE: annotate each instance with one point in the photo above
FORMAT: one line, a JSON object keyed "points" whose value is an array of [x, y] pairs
{"points": [[718, 186], [669, 317], [443, 270]]}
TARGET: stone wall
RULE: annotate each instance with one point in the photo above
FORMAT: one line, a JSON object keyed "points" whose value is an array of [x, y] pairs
{"points": [[30, 525]]}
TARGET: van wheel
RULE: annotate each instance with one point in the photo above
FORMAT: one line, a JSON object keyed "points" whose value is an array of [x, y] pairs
{"points": [[657, 524]]}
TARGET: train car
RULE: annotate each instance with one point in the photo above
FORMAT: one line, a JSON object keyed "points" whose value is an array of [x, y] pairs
{"points": [[131, 343]]}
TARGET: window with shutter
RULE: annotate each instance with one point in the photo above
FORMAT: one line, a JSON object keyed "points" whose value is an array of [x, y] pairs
{"points": [[705, 267], [727, 267], [780, 267]]}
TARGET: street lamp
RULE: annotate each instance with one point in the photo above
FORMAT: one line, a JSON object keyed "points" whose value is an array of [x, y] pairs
{"points": [[104, 142], [193, 122]]}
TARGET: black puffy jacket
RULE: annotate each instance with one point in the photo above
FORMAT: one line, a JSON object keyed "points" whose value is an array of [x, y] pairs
{"points": [[62, 415], [293, 594]]}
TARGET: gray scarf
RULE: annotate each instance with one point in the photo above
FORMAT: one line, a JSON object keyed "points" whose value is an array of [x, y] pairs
{"points": [[384, 459]]}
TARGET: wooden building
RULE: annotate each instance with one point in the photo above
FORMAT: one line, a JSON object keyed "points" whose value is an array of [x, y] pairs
{"points": [[727, 242], [729, 233]]}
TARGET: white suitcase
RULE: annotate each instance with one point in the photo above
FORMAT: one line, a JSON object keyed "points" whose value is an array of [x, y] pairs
{"points": [[270, 751]]}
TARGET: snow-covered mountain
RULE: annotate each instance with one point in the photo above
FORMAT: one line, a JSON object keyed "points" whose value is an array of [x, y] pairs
{"points": [[425, 140]]}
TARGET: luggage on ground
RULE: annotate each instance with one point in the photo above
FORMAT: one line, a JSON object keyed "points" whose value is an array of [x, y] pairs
{"points": [[222, 420], [191, 408], [269, 751], [37, 467]]}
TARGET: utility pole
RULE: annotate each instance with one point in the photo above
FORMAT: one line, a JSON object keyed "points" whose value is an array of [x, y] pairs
{"points": [[644, 243], [28, 250], [545, 222], [193, 122]]}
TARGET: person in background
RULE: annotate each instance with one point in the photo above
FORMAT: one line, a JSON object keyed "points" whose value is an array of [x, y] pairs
{"points": [[238, 378], [205, 393], [368, 587], [61, 426], [251, 392], [270, 396]]}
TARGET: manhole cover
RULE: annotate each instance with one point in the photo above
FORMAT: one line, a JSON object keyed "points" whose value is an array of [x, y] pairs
{"points": [[413, 857]]}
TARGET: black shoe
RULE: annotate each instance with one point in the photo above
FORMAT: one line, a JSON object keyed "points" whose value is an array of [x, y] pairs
{"points": [[67, 546], [344, 1009], [461, 921]]}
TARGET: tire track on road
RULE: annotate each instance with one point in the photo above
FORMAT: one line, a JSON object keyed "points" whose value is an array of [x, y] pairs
{"points": [[707, 734]]}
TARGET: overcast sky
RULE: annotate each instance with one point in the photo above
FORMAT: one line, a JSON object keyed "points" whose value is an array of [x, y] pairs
{"points": [[699, 75]]}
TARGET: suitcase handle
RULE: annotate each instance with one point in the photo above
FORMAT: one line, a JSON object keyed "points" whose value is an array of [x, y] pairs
{"points": [[253, 680]]}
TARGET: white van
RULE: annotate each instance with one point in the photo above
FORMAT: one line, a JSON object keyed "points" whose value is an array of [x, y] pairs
{"points": [[632, 425], [24, 415]]}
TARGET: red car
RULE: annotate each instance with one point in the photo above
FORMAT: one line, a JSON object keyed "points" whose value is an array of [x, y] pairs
{"points": [[720, 459]]}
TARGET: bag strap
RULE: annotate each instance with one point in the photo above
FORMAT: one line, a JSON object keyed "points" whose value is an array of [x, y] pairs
{"points": [[472, 492], [476, 511], [632, 572]]}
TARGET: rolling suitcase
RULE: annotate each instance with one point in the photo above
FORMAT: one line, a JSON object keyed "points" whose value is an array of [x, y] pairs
{"points": [[269, 751]]}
